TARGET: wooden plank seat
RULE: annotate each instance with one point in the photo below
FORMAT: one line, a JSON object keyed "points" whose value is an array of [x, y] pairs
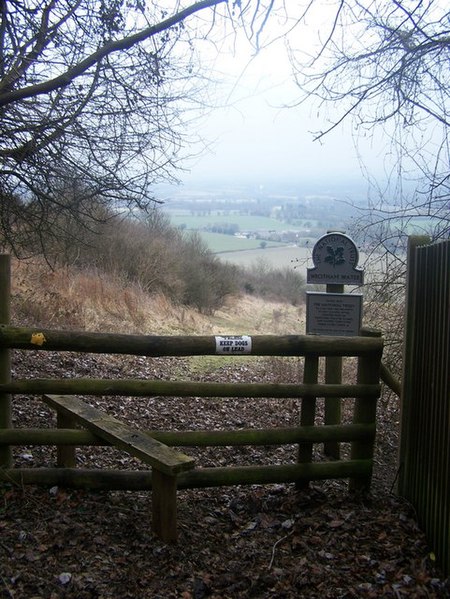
{"points": [[166, 462]]}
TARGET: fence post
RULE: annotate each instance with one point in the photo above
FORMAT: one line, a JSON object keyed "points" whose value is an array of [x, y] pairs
{"points": [[333, 374], [65, 454], [164, 506], [5, 355], [365, 412], [308, 413]]}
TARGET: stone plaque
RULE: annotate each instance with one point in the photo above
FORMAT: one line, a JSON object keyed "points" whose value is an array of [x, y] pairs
{"points": [[335, 257], [335, 314]]}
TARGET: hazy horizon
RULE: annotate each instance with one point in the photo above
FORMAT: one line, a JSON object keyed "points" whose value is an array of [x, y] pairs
{"points": [[253, 134]]}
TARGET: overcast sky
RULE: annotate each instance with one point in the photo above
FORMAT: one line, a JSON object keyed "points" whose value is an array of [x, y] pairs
{"points": [[253, 136]]}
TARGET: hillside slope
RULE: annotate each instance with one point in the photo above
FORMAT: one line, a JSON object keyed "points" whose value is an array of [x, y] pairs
{"points": [[90, 300]]}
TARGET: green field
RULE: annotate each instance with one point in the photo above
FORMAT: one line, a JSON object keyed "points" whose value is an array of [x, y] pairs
{"points": [[241, 251], [244, 222], [229, 243], [275, 257]]}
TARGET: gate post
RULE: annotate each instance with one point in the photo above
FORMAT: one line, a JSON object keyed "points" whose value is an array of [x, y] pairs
{"points": [[365, 412], [5, 356], [308, 414], [414, 241], [335, 257], [333, 374], [66, 456]]}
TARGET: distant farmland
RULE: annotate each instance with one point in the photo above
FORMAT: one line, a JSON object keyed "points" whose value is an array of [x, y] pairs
{"points": [[276, 257], [242, 251], [197, 222], [218, 242]]}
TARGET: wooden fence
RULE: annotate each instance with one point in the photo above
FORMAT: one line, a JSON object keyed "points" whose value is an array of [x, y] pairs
{"points": [[425, 425], [171, 469]]}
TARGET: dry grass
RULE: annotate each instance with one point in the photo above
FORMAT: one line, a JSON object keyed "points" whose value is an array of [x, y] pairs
{"points": [[90, 300]]}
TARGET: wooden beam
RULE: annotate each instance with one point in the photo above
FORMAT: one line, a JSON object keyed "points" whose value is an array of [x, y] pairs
{"points": [[134, 442], [198, 478], [153, 345], [164, 506], [155, 388], [65, 454], [390, 380], [198, 438]]}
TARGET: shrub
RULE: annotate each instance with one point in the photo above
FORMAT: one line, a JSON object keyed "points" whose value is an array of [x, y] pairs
{"points": [[145, 249], [284, 284], [208, 281]]}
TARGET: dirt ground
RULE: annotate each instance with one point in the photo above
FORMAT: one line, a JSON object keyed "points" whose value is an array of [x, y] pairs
{"points": [[234, 542]]}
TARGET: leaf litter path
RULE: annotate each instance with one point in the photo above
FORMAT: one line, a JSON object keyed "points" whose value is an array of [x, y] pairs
{"points": [[235, 542]]}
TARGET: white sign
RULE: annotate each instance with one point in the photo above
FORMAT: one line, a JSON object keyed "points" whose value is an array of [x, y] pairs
{"points": [[232, 344], [335, 257], [337, 314]]}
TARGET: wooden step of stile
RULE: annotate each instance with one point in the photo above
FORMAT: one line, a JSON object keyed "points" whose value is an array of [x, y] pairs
{"points": [[166, 462]]}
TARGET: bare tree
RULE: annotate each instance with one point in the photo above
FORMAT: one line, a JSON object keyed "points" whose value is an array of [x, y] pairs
{"points": [[384, 63], [94, 95], [383, 67]]}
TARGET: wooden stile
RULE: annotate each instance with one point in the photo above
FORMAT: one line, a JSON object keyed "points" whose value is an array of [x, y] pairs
{"points": [[170, 469], [166, 462]]}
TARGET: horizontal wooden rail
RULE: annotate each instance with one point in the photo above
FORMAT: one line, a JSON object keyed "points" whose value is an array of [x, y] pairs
{"points": [[134, 387], [345, 433], [200, 477], [152, 345]]}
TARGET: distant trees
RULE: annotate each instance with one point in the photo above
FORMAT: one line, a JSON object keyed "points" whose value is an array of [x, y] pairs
{"points": [[223, 228], [161, 259], [148, 251], [93, 98]]}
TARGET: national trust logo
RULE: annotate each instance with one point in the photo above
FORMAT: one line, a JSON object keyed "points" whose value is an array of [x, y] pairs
{"points": [[335, 257], [335, 249]]}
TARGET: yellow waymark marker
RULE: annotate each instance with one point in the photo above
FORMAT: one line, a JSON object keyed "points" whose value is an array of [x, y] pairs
{"points": [[38, 339]]}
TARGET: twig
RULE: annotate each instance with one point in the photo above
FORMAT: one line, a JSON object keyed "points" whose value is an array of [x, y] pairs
{"points": [[269, 567], [396, 592], [8, 590], [397, 473], [8, 550]]}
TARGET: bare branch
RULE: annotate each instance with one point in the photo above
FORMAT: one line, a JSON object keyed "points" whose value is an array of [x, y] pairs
{"points": [[114, 46]]}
